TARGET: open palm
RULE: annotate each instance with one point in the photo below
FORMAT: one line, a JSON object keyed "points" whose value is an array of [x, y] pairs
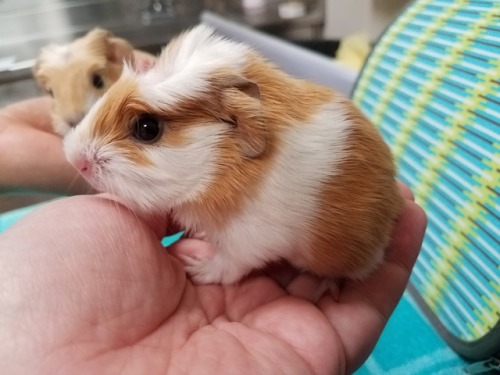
{"points": [[86, 287]]}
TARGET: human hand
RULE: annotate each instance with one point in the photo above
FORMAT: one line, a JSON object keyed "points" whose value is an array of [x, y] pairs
{"points": [[31, 155], [91, 290]]}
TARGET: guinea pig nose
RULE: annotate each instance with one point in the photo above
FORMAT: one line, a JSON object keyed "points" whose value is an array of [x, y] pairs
{"points": [[82, 165]]}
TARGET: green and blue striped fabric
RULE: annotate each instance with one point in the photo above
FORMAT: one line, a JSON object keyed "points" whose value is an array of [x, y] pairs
{"points": [[432, 86]]}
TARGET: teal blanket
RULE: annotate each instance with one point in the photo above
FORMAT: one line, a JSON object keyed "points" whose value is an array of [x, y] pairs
{"points": [[7, 219]]}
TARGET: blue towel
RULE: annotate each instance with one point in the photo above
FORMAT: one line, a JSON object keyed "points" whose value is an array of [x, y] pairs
{"points": [[410, 345], [7, 219]]}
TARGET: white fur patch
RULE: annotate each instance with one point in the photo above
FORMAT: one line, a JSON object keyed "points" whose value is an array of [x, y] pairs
{"points": [[182, 173], [274, 225], [177, 173], [56, 54], [182, 70]]}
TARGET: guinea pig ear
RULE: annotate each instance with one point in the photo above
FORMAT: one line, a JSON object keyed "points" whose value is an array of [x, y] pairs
{"points": [[119, 50], [242, 108]]}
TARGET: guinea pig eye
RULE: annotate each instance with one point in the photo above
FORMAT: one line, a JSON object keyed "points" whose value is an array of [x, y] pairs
{"points": [[97, 81], [49, 91], [146, 129]]}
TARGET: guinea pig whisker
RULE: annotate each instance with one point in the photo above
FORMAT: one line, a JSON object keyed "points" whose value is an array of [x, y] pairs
{"points": [[73, 182]]}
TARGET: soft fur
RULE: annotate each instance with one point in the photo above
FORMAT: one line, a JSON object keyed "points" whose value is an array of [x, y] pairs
{"points": [[66, 72], [267, 166]]}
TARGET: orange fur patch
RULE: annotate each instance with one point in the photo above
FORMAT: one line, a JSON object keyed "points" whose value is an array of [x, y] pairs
{"points": [[115, 117], [358, 207], [283, 101]]}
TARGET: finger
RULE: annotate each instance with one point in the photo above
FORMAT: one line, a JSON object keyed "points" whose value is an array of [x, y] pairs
{"points": [[34, 159], [383, 290], [143, 61], [111, 270], [365, 307], [33, 113], [405, 191], [158, 223]]}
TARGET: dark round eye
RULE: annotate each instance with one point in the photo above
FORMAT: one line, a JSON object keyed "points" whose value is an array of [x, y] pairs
{"points": [[49, 91], [146, 129], [97, 81]]}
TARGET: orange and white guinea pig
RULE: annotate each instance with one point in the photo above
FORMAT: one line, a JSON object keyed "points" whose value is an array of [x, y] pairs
{"points": [[78, 73], [268, 167]]}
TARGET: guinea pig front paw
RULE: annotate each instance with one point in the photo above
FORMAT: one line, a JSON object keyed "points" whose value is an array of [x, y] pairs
{"points": [[327, 287], [214, 270]]}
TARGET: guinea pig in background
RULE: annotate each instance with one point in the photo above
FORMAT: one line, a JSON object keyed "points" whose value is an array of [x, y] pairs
{"points": [[78, 73], [266, 166]]}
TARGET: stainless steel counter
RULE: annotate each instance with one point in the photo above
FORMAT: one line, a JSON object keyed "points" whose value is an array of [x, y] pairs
{"points": [[27, 25]]}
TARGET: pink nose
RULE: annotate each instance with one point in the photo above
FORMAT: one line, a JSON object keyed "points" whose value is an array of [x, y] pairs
{"points": [[82, 165]]}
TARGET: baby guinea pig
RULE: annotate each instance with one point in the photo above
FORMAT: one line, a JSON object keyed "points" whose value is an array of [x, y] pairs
{"points": [[268, 167], [78, 73]]}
